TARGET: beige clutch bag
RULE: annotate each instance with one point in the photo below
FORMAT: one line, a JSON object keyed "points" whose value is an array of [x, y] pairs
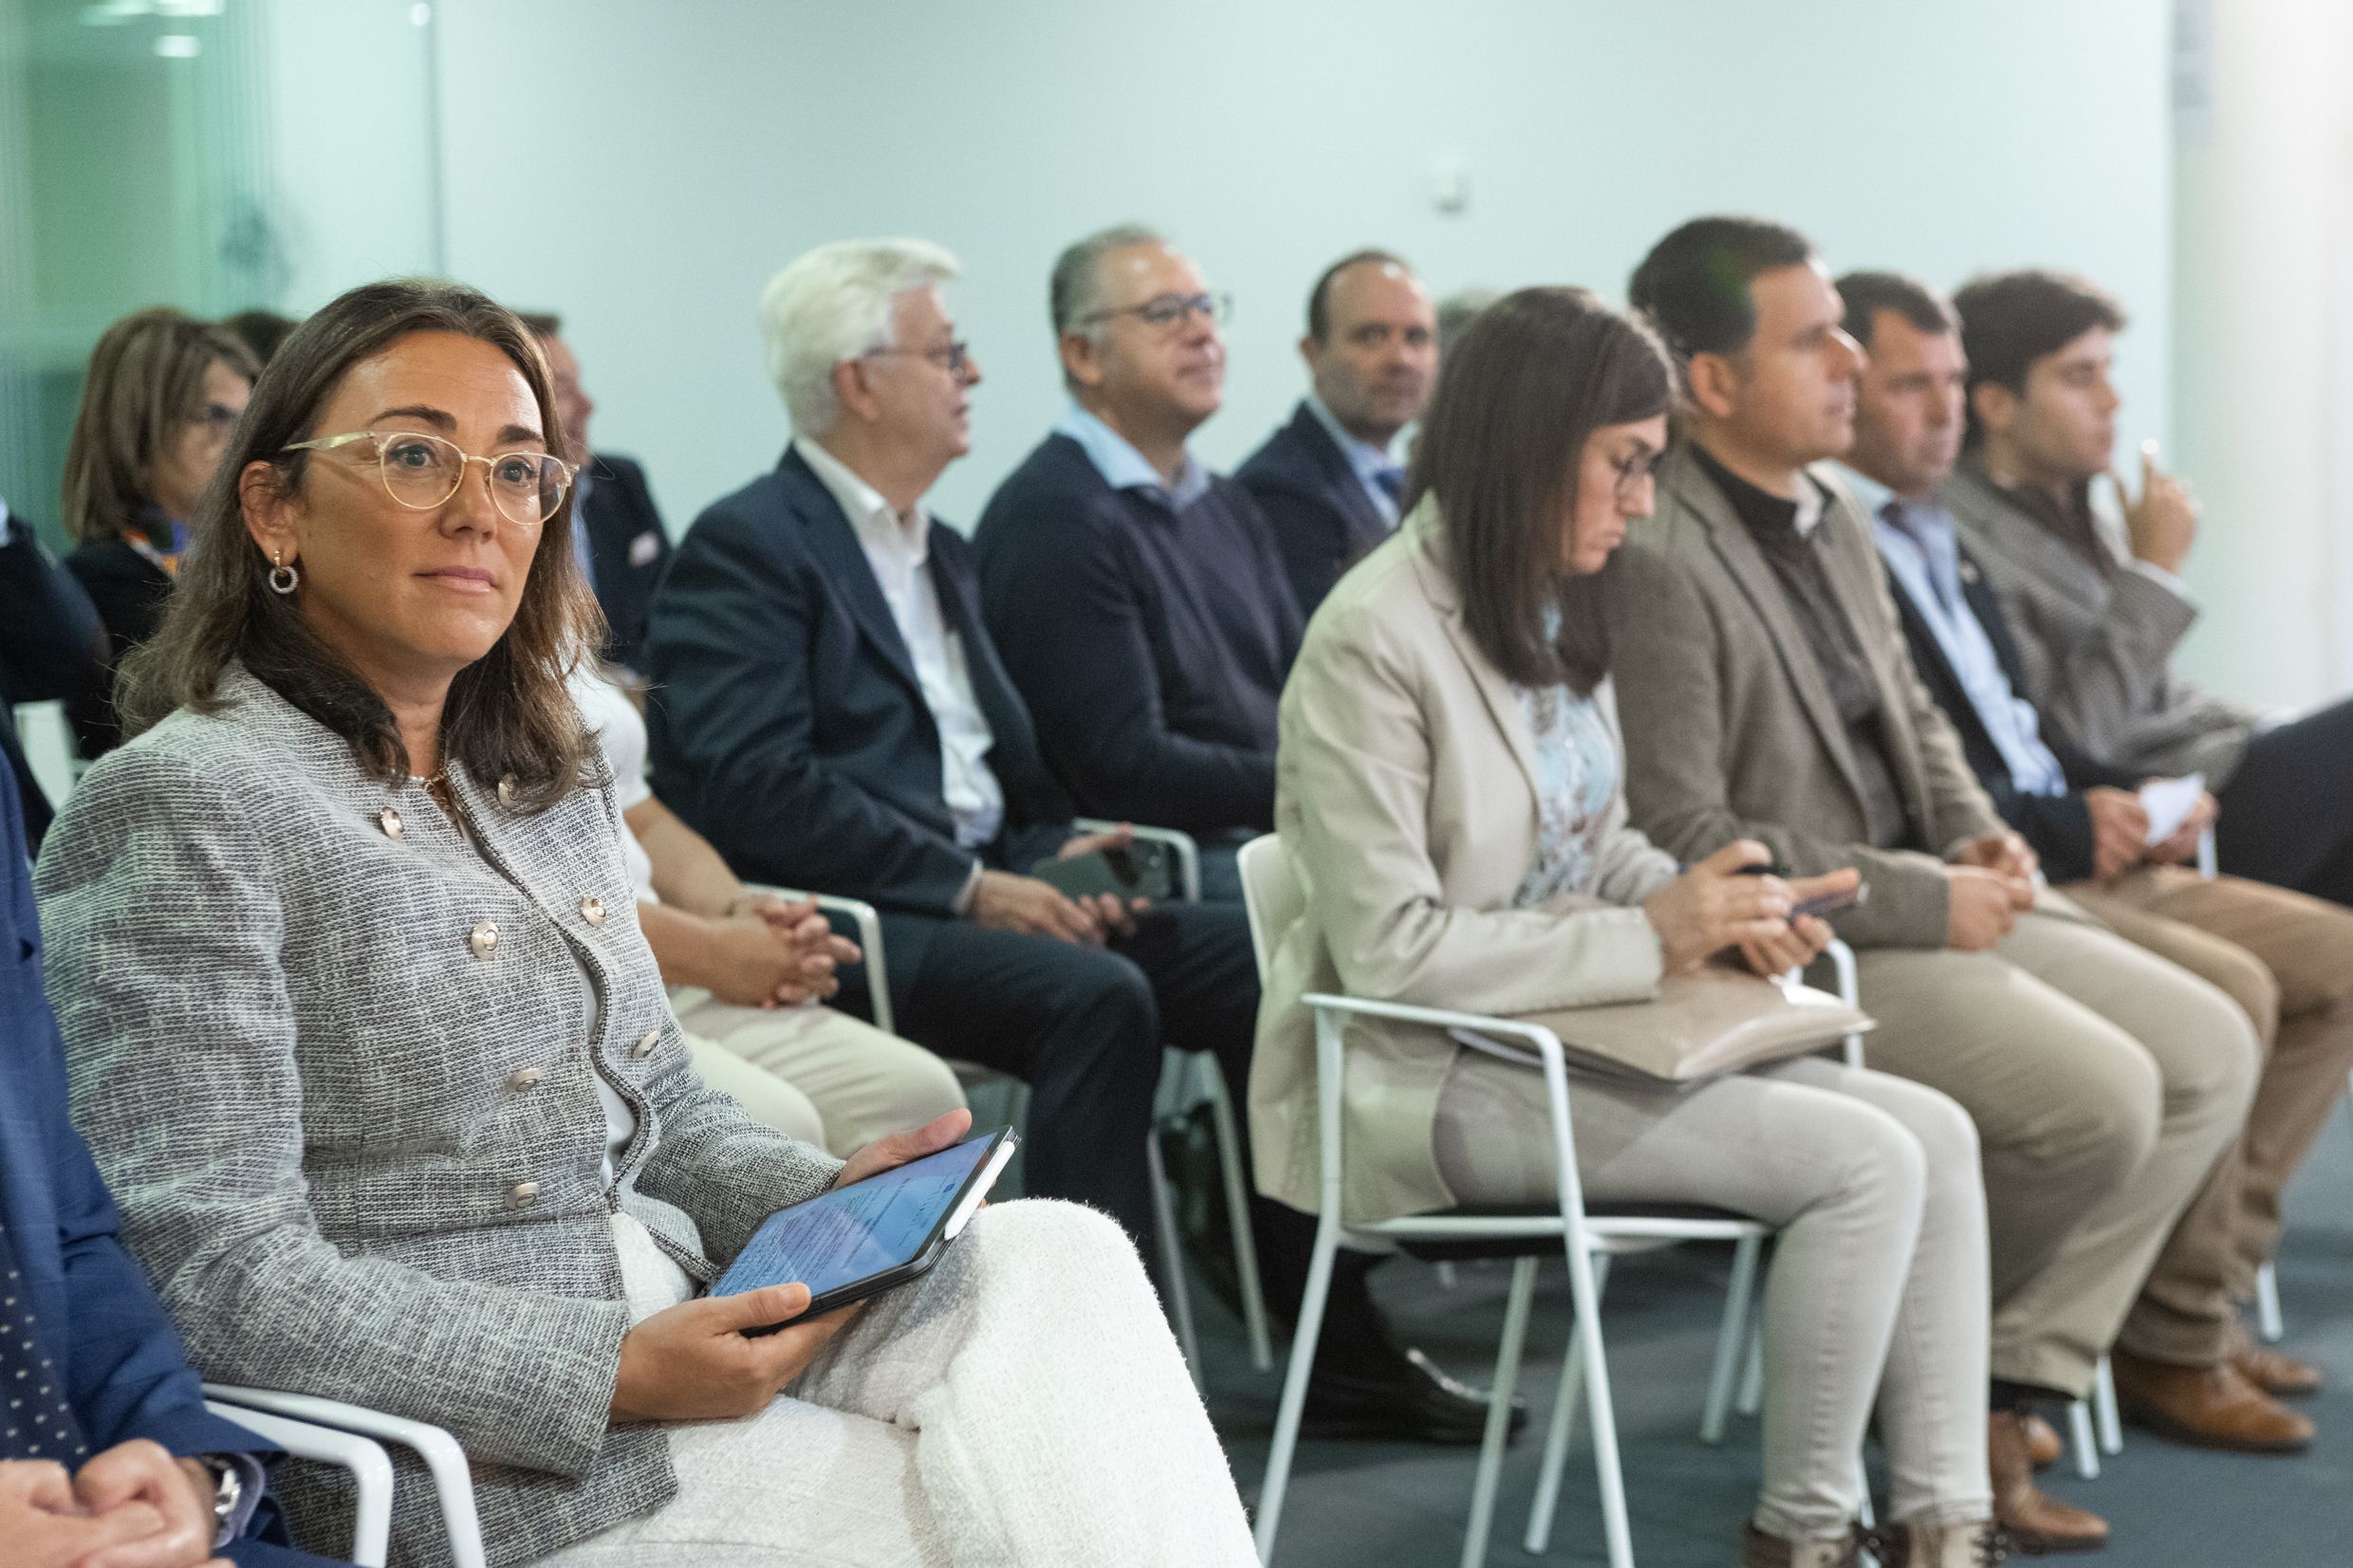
{"points": [[1703, 1023]]}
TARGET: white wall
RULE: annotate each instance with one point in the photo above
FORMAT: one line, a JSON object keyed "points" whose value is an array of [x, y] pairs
{"points": [[687, 149]]}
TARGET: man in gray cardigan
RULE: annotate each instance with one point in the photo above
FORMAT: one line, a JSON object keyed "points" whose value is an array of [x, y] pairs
{"points": [[2099, 607], [1765, 693]]}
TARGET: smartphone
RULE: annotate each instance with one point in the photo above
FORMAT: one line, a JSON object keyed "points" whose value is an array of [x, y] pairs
{"points": [[1143, 868], [1831, 903]]}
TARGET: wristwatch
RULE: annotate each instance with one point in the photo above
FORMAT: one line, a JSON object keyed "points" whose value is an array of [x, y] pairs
{"points": [[228, 1491]]}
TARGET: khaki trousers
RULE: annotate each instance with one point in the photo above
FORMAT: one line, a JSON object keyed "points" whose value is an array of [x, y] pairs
{"points": [[814, 1074], [2104, 1084], [2286, 959]]}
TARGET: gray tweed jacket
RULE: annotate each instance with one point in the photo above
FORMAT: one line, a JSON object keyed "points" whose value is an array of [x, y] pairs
{"points": [[333, 1063]]}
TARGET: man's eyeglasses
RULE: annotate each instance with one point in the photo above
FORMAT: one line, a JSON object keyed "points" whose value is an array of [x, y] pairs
{"points": [[422, 472], [956, 358], [1166, 312]]}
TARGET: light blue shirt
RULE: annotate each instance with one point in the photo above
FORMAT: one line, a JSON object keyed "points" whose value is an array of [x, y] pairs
{"points": [[1365, 460], [1923, 555], [1125, 469]]}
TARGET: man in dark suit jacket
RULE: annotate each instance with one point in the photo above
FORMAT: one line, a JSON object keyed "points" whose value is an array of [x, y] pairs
{"points": [[106, 1440], [830, 711], [51, 645], [616, 530], [1329, 480], [2182, 1362], [1138, 600]]}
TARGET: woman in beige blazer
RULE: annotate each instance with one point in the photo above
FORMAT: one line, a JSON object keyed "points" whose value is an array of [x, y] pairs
{"points": [[1448, 797]]}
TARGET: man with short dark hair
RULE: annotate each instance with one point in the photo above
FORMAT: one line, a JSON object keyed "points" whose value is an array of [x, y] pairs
{"points": [[1766, 694], [2098, 605], [2183, 1364], [617, 532], [1138, 598], [1329, 480]]}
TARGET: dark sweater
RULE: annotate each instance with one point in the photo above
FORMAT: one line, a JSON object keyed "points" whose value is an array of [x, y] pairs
{"points": [[1150, 644]]}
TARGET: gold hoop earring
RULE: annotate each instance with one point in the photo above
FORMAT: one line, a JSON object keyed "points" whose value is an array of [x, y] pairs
{"points": [[283, 579]]}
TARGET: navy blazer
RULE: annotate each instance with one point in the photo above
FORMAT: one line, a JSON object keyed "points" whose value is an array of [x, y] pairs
{"points": [[628, 547], [1151, 645], [126, 1376], [51, 645], [787, 724], [1323, 522], [2058, 826]]}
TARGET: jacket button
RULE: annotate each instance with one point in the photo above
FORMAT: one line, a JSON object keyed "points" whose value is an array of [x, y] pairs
{"points": [[646, 1042], [389, 821], [522, 1194], [483, 939], [507, 790], [592, 908], [522, 1078]]}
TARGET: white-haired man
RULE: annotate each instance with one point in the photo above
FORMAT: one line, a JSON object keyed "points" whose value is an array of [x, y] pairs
{"points": [[829, 712]]}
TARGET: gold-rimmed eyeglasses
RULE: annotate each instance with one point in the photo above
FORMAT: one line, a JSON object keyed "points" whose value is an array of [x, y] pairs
{"points": [[956, 358], [422, 472]]}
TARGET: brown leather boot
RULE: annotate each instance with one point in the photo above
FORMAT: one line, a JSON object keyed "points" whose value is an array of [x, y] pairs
{"points": [[2034, 1521], [2206, 1407], [2043, 1445], [1981, 1544], [1759, 1550], [2280, 1377]]}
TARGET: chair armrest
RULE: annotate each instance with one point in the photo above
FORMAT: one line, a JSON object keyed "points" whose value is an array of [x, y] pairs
{"points": [[1536, 1035], [869, 926], [2207, 862], [453, 1479], [1180, 843], [370, 1467]]}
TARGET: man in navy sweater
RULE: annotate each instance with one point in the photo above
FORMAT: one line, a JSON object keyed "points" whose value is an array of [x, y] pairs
{"points": [[107, 1453], [1329, 480], [1138, 600]]}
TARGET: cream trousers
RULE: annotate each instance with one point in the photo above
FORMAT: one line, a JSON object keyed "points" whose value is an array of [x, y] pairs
{"points": [[812, 1073], [1020, 1405]]}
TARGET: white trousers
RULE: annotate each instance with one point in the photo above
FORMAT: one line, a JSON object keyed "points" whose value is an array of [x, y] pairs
{"points": [[1022, 1404]]}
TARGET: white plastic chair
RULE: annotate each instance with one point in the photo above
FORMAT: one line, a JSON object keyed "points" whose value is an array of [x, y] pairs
{"points": [[444, 1461], [1274, 900], [370, 1467]]}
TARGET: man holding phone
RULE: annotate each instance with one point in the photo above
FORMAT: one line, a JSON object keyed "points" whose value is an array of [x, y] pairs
{"points": [[830, 713], [2097, 601], [1765, 693]]}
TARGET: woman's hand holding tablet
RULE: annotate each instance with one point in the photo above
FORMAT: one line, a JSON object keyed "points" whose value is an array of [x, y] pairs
{"points": [[718, 1358], [863, 1236]]}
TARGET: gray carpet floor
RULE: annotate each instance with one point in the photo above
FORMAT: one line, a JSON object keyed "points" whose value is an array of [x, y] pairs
{"points": [[1356, 1503]]}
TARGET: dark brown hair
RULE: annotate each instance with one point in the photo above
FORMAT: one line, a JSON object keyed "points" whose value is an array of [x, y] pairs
{"points": [[508, 712], [2010, 320], [1694, 285], [1865, 294], [1501, 448], [146, 377]]}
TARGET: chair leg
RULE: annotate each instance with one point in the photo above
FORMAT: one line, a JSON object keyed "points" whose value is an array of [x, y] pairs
{"points": [[1294, 1402], [1563, 1433], [1171, 1260], [1731, 1338], [1606, 1469], [1448, 1279], [2103, 1409], [1237, 1210], [1499, 1411], [1752, 1375], [2267, 1319], [2080, 1438]]}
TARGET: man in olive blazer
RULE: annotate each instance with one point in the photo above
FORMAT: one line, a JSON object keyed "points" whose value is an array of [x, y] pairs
{"points": [[1767, 693]]}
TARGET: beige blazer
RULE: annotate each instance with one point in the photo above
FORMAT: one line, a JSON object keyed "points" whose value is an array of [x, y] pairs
{"points": [[1730, 729], [1406, 792]]}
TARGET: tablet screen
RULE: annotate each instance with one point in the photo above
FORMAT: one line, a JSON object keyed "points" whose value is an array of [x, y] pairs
{"points": [[840, 1237]]}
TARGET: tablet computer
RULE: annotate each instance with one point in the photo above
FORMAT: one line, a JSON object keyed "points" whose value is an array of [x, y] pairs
{"points": [[849, 1242]]}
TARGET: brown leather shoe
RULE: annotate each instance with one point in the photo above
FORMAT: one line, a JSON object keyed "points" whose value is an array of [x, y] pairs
{"points": [[2280, 1377], [2207, 1407], [2034, 1521], [1759, 1550], [2043, 1446], [1980, 1544]]}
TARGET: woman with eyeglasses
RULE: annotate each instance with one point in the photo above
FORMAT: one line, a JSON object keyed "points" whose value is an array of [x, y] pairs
{"points": [[163, 393], [366, 1033]]}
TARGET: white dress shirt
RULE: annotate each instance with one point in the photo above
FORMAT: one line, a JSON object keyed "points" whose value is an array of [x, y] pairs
{"points": [[899, 548]]}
